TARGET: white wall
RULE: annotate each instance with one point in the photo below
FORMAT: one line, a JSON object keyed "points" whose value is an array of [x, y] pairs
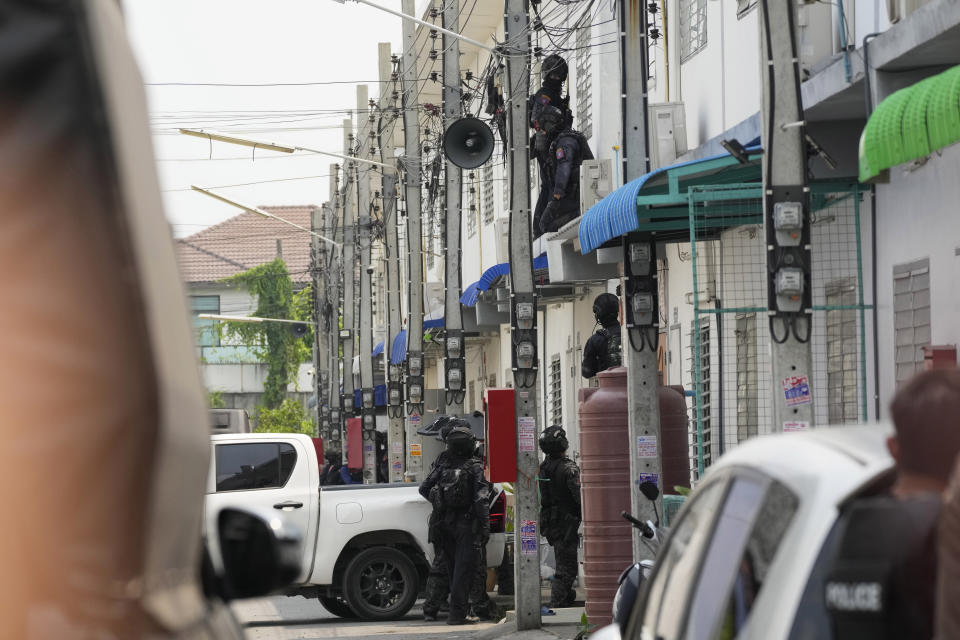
{"points": [[917, 218]]}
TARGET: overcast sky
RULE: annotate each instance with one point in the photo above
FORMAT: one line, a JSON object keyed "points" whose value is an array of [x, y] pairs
{"points": [[251, 42]]}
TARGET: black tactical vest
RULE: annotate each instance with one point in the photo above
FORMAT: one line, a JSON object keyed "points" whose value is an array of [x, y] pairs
{"points": [[612, 353]]}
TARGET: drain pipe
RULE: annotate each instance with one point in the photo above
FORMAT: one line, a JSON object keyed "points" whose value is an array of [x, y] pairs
{"points": [[868, 105]]}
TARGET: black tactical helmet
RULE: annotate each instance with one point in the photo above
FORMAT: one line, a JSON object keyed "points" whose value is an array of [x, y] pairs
{"points": [[606, 305], [553, 440], [552, 120], [460, 439], [444, 430], [554, 68]]}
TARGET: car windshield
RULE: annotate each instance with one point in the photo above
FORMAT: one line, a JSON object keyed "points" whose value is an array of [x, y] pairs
{"points": [[710, 574]]}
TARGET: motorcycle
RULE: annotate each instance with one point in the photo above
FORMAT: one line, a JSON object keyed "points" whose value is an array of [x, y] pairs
{"points": [[632, 579]]}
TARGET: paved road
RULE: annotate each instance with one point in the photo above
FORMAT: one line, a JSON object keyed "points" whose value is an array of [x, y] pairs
{"points": [[297, 618]]}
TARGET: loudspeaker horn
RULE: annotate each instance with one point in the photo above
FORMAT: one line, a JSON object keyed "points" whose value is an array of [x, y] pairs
{"points": [[298, 329], [468, 143]]}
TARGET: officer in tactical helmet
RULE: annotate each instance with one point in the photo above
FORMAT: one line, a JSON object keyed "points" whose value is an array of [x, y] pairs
{"points": [[460, 525], [560, 513], [438, 579], [603, 349], [330, 474], [566, 149]]}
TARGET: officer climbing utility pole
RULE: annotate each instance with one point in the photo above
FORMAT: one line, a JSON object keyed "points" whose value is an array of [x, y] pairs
{"points": [[786, 211], [454, 364], [367, 411], [348, 331], [523, 317], [387, 124], [411, 166], [640, 304], [334, 229]]}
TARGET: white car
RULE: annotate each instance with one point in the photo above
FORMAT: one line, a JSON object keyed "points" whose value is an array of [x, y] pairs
{"points": [[365, 552], [746, 558]]}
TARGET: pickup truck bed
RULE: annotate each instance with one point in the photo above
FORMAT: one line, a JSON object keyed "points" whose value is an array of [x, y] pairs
{"points": [[365, 550]]}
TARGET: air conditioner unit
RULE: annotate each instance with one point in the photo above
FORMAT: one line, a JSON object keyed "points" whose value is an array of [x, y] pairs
{"points": [[595, 182], [668, 133]]}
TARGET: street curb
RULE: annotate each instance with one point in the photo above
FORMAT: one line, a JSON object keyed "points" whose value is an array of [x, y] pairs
{"points": [[507, 628]]}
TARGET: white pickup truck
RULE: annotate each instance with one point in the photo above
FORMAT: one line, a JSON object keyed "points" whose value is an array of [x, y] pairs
{"points": [[365, 550]]}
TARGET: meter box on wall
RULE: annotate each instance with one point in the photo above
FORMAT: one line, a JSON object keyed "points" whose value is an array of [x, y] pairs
{"points": [[500, 435]]}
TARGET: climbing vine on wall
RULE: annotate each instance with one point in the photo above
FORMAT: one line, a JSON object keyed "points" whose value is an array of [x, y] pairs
{"points": [[282, 351]]}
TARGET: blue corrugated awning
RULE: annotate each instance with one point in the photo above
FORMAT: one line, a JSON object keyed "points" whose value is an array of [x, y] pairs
{"points": [[473, 291], [616, 214], [377, 350], [398, 352]]}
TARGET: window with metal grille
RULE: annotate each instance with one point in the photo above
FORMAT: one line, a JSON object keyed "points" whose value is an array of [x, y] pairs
{"points": [[471, 209], [584, 122], [693, 27], [911, 317], [747, 387], [487, 192], [703, 399], [204, 328], [505, 185], [842, 358], [556, 394]]}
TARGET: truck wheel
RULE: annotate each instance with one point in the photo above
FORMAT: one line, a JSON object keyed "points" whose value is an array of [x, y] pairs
{"points": [[380, 583], [337, 606]]}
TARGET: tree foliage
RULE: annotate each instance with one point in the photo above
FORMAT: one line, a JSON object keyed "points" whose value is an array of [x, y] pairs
{"points": [[289, 417], [270, 283]]}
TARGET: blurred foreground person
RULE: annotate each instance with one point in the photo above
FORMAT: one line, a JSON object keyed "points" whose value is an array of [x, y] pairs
{"points": [[883, 581], [101, 402], [948, 563]]}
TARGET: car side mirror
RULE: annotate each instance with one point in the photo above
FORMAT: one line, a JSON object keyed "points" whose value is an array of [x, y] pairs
{"points": [[260, 554], [649, 490]]}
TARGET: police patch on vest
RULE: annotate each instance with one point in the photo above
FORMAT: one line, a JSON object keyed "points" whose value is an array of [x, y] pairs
{"points": [[854, 597], [560, 154]]}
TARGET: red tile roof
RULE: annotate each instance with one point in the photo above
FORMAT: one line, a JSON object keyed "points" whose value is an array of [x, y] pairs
{"points": [[245, 241]]}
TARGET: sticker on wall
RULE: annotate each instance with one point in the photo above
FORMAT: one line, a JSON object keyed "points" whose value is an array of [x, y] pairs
{"points": [[648, 477], [397, 466], [646, 446], [397, 446], [528, 537], [415, 450], [414, 418], [796, 390], [527, 433], [795, 425]]}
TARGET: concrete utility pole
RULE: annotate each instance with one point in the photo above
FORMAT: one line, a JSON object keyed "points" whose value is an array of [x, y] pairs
{"points": [[318, 252], [523, 318], [786, 210], [641, 308], [454, 365], [348, 333], [331, 313], [389, 97], [411, 166], [334, 227], [367, 410]]}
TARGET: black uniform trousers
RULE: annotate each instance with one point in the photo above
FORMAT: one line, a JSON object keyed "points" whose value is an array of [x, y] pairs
{"points": [[561, 591], [458, 542]]}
